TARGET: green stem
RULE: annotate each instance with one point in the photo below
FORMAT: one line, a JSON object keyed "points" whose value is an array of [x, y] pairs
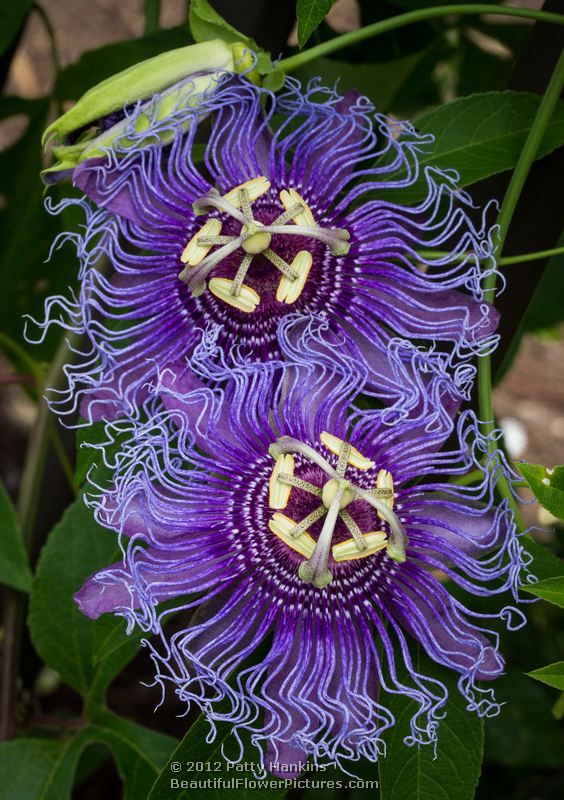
{"points": [[353, 37], [474, 476], [523, 258], [528, 155], [508, 206], [64, 461], [152, 15], [30, 485], [526, 257], [27, 505], [52, 38]]}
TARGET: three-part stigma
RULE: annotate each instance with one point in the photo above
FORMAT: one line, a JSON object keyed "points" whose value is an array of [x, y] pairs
{"points": [[200, 255], [335, 495]]}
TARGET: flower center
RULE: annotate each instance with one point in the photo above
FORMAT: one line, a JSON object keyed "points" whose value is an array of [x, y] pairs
{"points": [[335, 495], [256, 242], [207, 248]]}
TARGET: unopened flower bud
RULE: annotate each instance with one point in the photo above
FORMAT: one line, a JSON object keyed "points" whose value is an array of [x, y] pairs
{"points": [[97, 119]]}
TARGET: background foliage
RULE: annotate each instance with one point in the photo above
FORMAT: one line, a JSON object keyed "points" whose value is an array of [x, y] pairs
{"points": [[73, 710]]}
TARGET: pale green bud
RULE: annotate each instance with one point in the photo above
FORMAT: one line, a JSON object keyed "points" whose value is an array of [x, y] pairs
{"points": [[141, 81], [165, 75]]}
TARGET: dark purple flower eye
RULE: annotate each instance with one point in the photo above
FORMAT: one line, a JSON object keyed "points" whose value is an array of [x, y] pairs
{"points": [[256, 234], [334, 492]]}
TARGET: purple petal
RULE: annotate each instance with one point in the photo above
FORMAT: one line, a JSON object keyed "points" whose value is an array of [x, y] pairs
{"points": [[109, 590], [468, 528], [102, 187], [112, 399], [442, 314], [328, 147], [159, 574], [430, 614], [183, 391], [283, 759]]}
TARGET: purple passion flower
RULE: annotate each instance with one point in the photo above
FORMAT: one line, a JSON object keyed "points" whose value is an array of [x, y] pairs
{"points": [[305, 543], [300, 202]]}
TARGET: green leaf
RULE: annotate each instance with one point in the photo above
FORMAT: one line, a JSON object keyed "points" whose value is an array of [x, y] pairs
{"points": [[544, 564], [310, 13], [12, 15], [139, 753], [95, 66], [552, 675], [195, 747], [484, 134], [14, 567], [479, 136], [409, 772], [66, 640], [551, 589], [524, 733], [206, 23], [39, 769], [547, 485]]}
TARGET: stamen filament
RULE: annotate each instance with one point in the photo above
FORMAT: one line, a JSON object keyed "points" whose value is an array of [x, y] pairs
{"points": [[211, 240], [281, 525], [298, 529], [286, 444], [353, 529], [280, 264], [305, 216], [198, 247], [335, 238], [288, 215], [344, 455], [398, 541], [355, 457], [241, 274], [245, 203], [384, 494], [299, 483], [213, 199]]}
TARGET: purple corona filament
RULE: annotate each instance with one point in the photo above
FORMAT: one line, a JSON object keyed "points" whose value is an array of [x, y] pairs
{"points": [[316, 204], [303, 544]]}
